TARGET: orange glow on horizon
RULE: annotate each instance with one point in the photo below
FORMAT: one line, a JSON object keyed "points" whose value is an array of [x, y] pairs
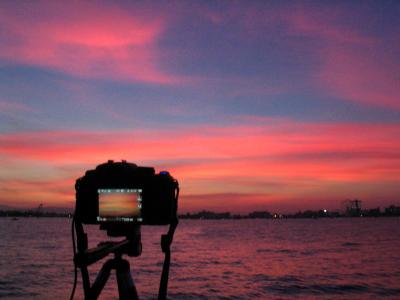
{"points": [[282, 161]]}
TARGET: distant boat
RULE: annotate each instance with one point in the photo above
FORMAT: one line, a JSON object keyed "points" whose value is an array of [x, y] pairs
{"points": [[15, 219]]}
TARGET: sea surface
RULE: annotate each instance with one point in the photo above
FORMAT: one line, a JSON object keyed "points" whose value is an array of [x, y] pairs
{"points": [[356, 258]]}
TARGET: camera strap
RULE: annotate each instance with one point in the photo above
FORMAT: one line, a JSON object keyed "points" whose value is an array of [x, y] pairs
{"points": [[166, 241]]}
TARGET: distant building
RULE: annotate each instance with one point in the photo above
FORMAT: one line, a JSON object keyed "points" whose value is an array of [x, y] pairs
{"points": [[392, 211], [372, 212], [260, 215], [352, 208]]}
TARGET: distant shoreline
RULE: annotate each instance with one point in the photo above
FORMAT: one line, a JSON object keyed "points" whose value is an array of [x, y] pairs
{"points": [[33, 214], [391, 211]]}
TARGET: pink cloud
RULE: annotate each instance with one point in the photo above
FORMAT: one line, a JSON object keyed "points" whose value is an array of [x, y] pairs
{"points": [[273, 139], [351, 63], [354, 65], [362, 77], [86, 40], [282, 159]]}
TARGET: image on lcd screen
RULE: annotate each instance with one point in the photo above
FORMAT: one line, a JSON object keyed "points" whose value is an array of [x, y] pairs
{"points": [[120, 205]]}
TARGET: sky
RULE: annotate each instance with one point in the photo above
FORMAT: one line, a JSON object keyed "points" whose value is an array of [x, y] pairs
{"points": [[251, 105]]}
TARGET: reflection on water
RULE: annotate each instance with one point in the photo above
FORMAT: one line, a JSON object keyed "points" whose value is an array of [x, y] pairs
{"points": [[226, 259]]}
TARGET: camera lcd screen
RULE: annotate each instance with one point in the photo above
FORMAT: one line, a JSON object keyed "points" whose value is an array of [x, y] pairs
{"points": [[120, 205]]}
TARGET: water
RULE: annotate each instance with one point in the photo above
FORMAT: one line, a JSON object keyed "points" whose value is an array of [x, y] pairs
{"points": [[227, 259]]}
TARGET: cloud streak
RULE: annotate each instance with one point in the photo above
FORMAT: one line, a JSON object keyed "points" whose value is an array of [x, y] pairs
{"points": [[356, 64], [87, 40], [298, 156]]}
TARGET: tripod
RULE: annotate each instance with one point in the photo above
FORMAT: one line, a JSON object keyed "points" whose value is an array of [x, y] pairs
{"points": [[131, 246]]}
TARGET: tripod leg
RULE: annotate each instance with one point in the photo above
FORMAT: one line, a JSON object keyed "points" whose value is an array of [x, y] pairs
{"points": [[101, 279], [126, 286], [85, 282]]}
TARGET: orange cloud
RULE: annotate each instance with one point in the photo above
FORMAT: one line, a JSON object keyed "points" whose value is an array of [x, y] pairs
{"points": [[281, 160], [86, 40], [30, 193]]}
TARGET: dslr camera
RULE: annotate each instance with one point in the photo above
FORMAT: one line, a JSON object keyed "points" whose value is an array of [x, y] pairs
{"points": [[121, 195]]}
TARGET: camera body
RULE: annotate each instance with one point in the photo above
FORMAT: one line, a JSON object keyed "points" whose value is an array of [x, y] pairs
{"points": [[121, 195]]}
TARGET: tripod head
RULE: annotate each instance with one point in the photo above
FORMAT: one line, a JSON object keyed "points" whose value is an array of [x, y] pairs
{"points": [[131, 246]]}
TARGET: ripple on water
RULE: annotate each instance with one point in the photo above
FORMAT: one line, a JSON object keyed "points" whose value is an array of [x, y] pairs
{"points": [[350, 244]]}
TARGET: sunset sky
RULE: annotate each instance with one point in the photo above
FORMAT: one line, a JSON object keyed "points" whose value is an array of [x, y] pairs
{"points": [[252, 105]]}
